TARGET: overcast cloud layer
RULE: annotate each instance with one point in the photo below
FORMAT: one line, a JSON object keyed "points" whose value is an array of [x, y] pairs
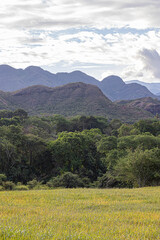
{"points": [[98, 37]]}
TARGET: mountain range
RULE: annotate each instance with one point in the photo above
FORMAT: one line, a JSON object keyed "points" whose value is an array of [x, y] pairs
{"points": [[69, 100], [153, 87], [113, 87]]}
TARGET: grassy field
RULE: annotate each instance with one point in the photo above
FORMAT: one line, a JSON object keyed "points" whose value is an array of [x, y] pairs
{"points": [[81, 214]]}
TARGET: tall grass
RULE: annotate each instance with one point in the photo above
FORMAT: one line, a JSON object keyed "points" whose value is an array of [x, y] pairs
{"points": [[80, 214]]}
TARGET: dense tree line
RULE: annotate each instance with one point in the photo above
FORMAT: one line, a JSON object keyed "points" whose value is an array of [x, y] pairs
{"points": [[82, 151]]}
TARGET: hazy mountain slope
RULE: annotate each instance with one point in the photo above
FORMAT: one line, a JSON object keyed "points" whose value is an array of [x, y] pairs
{"points": [[113, 87], [69, 100], [76, 76], [116, 89], [148, 104], [152, 87], [12, 79]]}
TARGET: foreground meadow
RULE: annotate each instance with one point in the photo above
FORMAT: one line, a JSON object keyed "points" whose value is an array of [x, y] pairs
{"points": [[80, 214]]}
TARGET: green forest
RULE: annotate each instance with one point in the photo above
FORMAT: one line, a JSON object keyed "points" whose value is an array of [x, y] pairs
{"points": [[83, 151]]}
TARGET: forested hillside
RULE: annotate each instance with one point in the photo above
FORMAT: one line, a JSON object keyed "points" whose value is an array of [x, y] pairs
{"points": [[80, 151], [149, 104], [69, 100]]}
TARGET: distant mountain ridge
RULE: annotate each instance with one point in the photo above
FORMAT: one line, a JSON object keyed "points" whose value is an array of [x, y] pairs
{"points": [[116, 89], [69, 100], [152, 87], [113, 87]]}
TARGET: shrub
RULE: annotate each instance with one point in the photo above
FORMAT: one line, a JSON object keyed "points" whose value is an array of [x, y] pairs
{"points": [[2, 178], [86, 182], [67, 180], [107, 181], [32, 184], [8, 185], [21, 188], [1, 188], [141, 167], [19, 184]]}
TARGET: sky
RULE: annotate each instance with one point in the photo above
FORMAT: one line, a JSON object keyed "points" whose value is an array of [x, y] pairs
{"points": [[98, 37]]}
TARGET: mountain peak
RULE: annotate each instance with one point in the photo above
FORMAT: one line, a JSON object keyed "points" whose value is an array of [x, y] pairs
{"points": [[69, 100], [5, 67], [113, 79], [33, 68], [79, 72], [113, 87]]}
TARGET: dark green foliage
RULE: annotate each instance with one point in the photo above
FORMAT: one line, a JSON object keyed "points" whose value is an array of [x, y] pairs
{"points": [[61, 123], [8, 185], [6, 114], [67, 180], [152, 126], [3, 178], [112, 158], [108, 181], [17, 113], [106, 144], [132, 142], [140, 168], [76, 152], [20, 113], [21, 188], [32, 184], [83, 151], [127, 129]]}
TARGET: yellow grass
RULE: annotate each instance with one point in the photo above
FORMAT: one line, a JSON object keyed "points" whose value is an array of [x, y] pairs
{"points": [[81, 214]]}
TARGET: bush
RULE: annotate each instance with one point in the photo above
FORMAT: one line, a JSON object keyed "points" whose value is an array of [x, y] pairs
{"points": [[2, 178], [19, 184], [86, 182], [1, 188], [67, 180], [140, 168], [107, 181], [32, 184], [21, 188], [8, 185]]}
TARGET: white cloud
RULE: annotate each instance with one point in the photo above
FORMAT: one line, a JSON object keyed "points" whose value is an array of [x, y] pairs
{"points": [[147, 67], [118, 50], [106, 74], [45, 32], [67, 14], [151, 60]]}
